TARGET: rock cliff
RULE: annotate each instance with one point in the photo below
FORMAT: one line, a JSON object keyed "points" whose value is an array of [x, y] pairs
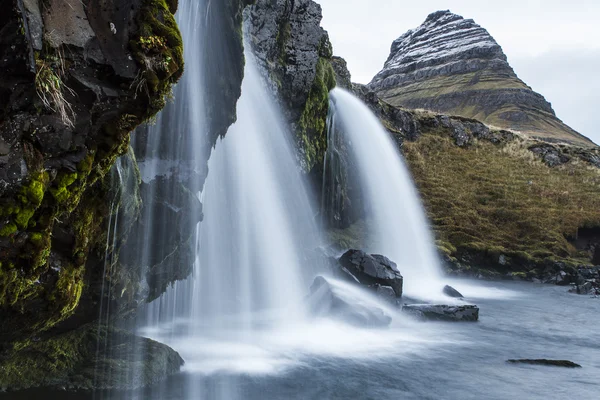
{"points": [[453, 66], [76, 77], [296, 56]]}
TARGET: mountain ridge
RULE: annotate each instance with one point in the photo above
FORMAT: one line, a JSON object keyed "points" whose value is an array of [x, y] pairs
{"points": [[452, 65]]}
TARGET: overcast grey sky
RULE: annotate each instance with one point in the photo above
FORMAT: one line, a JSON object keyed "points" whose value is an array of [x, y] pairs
{"points": [[553, 45]]}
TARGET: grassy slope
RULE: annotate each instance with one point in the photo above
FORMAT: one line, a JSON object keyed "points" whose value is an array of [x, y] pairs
{"points": [[539, 123], [501, 199]]}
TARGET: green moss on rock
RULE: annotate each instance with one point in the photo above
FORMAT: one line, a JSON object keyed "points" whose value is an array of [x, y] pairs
{"points": [[312, 131]]}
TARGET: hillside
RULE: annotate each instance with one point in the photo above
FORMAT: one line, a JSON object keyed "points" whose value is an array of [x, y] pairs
{"points": [[499, 200], [453, 66]]}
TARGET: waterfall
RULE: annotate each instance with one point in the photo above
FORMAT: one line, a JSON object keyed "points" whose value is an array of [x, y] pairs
{"points": [[258, 219], [249, 253], [395, 219]]}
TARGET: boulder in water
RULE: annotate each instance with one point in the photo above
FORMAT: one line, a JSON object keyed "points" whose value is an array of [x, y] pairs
{"points": [[334, 299], [451, 292], [385, 293], [551, 363], [371, 269], [468, 313]]}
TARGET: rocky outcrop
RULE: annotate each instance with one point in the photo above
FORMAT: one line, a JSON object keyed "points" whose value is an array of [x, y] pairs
{"points": [[296, 57], [331, 299], [453, 66], [76, 79], [372, 269], [463, 313]]}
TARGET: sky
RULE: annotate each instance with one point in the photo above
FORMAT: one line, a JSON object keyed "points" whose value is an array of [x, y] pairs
{"points": [[553, 45]]}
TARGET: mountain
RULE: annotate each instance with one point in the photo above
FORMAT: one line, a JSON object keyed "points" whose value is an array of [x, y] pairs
{"points": [[451, 65]]}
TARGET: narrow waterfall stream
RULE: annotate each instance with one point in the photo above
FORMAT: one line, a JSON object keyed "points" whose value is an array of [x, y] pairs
{"points": [[395, 218]]}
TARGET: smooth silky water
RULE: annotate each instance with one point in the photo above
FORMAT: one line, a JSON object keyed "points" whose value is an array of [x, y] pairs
{"points": [[240, 323]]}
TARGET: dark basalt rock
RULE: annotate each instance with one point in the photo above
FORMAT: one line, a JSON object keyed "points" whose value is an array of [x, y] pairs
{"points": [[328, 298], [371, 269], [453, 66], [552, 363], [465, 313], [385, 293], [294, 54], [451, 292], [342, 74], [65, 116]]}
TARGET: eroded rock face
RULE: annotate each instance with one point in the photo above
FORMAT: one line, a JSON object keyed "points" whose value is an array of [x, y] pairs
{"points": [[453, 66], [295, 55]]}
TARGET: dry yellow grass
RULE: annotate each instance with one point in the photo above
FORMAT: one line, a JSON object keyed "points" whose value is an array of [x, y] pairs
{"points": [[502, 199]]}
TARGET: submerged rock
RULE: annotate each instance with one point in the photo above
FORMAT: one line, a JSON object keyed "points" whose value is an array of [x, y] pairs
{"points": [[469, 313], [332, 299], [552, 363], [371, 269], [451, 292]]}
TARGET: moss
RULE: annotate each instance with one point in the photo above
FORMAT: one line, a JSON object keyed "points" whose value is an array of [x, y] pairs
{"points": [[8, 229], [312, 133], [158, 49], [60, 191]]}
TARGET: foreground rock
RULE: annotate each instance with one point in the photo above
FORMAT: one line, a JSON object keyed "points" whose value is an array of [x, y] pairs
{"points": [[552, 363], [467, 313], [333, 299], [89, 358], [451, 292], [371, 269]]}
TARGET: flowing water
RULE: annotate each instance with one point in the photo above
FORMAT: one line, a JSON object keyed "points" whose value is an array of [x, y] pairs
{"points": [[394, 214], [447, 361], [240, 322]]}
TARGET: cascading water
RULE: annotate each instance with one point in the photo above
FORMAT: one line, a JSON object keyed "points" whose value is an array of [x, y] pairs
{"points": [[395, 219]]}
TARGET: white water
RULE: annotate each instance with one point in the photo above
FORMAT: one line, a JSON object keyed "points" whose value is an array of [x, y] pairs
{"points": [[258, 221], [394, 214], [243, 310]]}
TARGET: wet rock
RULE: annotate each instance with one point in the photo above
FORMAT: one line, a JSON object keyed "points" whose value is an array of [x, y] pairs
{"points": [[552, 363], [294, 53], [332, 299], [450, 291], [385, 293], [469, 313], [371, 269], [90, 358]]}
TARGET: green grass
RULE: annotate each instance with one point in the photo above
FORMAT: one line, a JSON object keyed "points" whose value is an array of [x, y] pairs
{"points": [[501, 199]]}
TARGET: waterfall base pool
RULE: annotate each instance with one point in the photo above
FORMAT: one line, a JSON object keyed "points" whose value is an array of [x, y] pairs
{"points": [[453, 361]]}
